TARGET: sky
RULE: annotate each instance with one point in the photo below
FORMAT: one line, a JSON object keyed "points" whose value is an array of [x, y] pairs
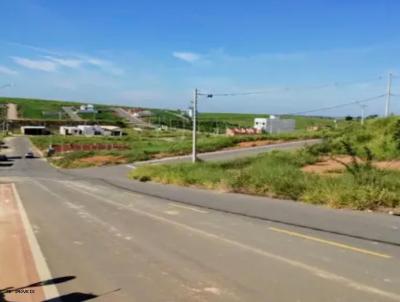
{"points": [[296, 55]]}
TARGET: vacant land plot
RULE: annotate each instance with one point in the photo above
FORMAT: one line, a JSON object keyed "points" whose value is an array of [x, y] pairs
{"points": [[149, 144], [363, 178]]}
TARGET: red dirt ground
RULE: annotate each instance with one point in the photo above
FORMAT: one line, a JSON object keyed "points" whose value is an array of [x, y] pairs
{"points": [[101, 160]]}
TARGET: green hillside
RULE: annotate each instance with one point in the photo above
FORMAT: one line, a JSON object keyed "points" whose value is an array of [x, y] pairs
{"points": [[52, 109]]}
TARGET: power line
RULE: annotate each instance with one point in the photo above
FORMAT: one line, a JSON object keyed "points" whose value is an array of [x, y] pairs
{"points": [[285, 89], [366, 100]]}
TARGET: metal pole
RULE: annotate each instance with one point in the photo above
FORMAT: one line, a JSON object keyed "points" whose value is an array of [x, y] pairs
{"points": [[194, 114], [387, 104]]}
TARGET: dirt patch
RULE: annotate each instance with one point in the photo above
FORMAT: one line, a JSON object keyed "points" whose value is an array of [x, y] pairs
{"points": [[389, 165], [258, 143], [329, 165], [102, 160], [255, 144]]}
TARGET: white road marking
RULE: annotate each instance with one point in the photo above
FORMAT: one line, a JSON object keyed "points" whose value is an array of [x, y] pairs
{"points": [[50, 291], [187, 208], [213, 290], [131, 166], [171, 212], [300, 265]]}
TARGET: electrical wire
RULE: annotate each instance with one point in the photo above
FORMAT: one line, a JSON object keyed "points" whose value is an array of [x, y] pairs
{"points": [[358, 102], [285, 89]]}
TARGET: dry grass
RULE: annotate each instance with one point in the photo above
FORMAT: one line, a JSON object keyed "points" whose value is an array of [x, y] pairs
{"points": [[101, 160]]}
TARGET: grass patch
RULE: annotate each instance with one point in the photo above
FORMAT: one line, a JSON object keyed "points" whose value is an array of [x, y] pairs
{"points": [[278, 174]]}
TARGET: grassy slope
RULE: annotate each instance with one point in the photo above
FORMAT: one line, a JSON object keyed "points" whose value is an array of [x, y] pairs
{"points": [[279, 174], [34, 108], [105, 113]]}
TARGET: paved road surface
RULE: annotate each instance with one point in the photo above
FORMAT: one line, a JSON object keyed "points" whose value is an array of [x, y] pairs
{"points": [[121, 245], [71, 113], [132, 119], [12, 111]]}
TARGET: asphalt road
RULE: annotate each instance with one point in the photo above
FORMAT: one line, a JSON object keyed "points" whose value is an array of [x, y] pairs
{"points": [[127, 243]]}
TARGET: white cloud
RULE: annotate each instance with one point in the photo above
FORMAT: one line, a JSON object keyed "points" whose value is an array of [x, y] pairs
{"points": [[55, 59], [187, 56], [42, 65], [7, 71], [67, 62], [105, 65]]}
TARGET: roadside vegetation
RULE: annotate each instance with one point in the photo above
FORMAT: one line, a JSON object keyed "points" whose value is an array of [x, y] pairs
{"points": [[360, 183]]}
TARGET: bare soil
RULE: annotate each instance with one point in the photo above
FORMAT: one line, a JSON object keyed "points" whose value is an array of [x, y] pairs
{"points": [[102, 160], [334, 165], [258, 143]]}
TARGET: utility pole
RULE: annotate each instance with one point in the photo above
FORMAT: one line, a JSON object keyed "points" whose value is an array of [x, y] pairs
{"points": [[363, 113], [389, 88], [196, 94], [194, 118]]}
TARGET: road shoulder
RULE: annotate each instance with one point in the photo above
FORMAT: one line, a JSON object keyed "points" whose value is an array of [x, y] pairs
{"points": [[20, 257]]}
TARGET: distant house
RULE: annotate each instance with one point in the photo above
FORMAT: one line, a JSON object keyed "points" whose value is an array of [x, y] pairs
{"points": [[69, 130], [34, 130], [91, 130], [274, 124], [112, 131], [87, 108]]}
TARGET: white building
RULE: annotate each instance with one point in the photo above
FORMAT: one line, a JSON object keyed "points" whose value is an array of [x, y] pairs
{"points": [[69, 130], [112, 131], [87, 108], [90, 130], [274, 124]]}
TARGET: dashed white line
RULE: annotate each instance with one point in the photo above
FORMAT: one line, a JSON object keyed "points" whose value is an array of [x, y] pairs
{"points": [[187, 208]]}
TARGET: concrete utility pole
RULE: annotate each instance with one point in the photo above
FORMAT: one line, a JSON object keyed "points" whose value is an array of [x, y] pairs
{"points": [[389, 88], [194, 118], [363, 113], [196, 94]]}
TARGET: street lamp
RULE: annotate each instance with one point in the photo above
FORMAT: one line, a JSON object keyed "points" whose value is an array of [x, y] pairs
{"points": [[196, 94]]}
